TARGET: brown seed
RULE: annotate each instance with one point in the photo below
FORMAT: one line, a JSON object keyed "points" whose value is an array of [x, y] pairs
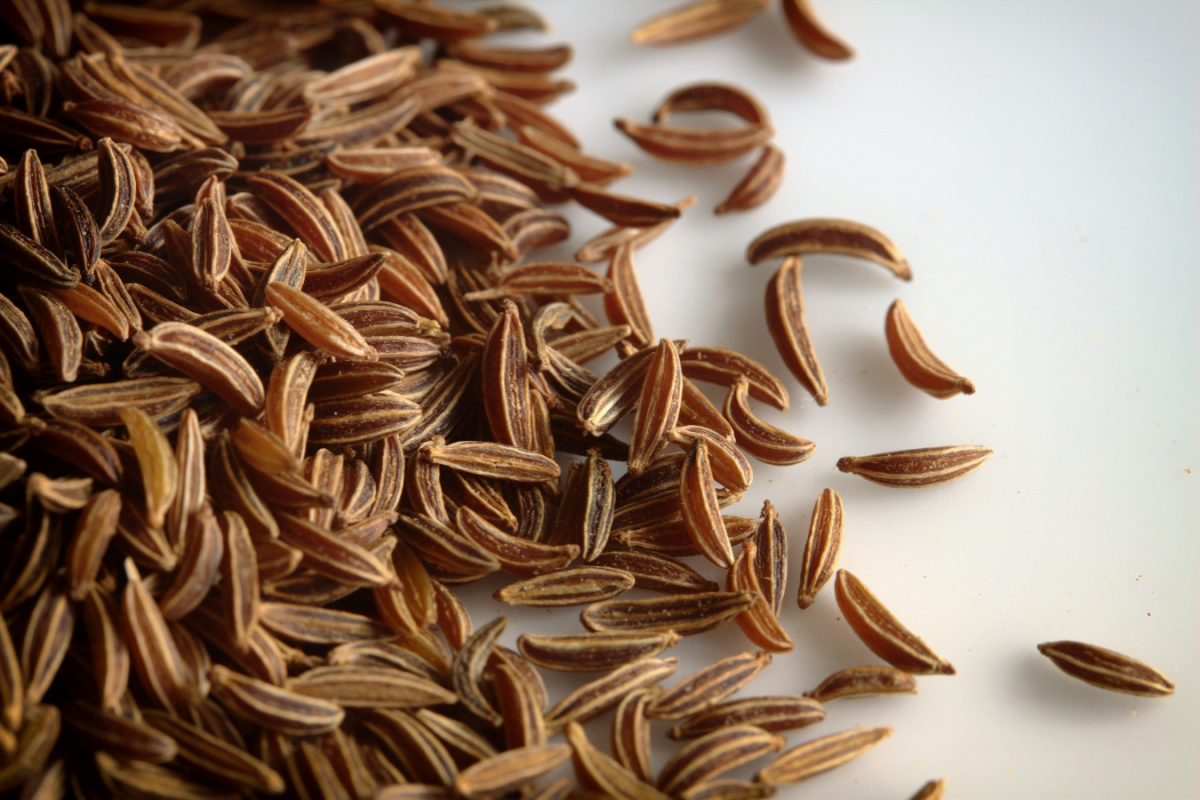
{"points": [[916, 361], [631, 733], [882, 632], [759, 622], [366, 686], [602, 694], [156, 657], [1107, 669], [504, 374], [758, 185], [60, 332], [932, 790], [273, 707], [687, 614], [495, 461], [788, 329], [657, 408], [724, 367], [811, 33], [214, 757], [657, 572], [707, 687], [926, 466], [820, 755], [775, 714], [602, 773], [466, 675], [823, 546], [714, 753], [207, 359], [863, 682], [694, 147], [697, 20], [516, 556], [839, 236], [701, 509], [592, 652]]}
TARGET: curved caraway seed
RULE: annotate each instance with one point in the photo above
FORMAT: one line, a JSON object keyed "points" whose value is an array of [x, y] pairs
{"points": [[707, 687], [882, 632], [273, 707], [789, 330], [774, 713], [823, 235], [758, 185], [1107, 669], [809, 31], [723, 367], [916, 361], [909, 469], [761, 440], [714, 753], [697, 20], [820, 755], [823, 546]]}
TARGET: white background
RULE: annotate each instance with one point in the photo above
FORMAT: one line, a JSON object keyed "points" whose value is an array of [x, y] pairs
{"points": [[1038, 165]]}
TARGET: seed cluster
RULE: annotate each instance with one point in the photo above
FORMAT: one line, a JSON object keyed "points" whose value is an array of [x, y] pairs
{"points": [[281, 367]]}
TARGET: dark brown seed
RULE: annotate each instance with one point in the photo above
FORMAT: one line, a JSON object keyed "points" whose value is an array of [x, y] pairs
{"points": [[811, 33], [1107, 669], [838, 236], [788, 329], [687, 614]]}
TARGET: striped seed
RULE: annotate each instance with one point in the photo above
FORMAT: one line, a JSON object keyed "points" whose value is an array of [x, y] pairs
{"points": [[708, 686], [926, 466], [687, 614], [714, 753], [823, 546], [838, 236], [821, 755], [566, 587], [916, 361], [863, 682], [882, 632], [775, 714], [789, 331], [1107, 669], [592, 652]]}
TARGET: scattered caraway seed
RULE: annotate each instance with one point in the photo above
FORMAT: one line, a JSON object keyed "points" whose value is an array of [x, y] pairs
{"points": [[287, 360]]}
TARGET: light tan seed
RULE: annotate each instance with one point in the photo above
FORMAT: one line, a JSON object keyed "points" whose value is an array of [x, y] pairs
{"points": [[714, 753], [318, 325], [513, 769], [809, 31], [916, 361], [156, 459], [821, 755], [566, 587], [697, 20], [863, 682], [926, 466], [273, 707], [708, 686], [599, 770], [788, 329], [592, 652], [823, 546], [208, 360], [1107, 669], [882, 632], [839, 236], [775, 714], [604, 693], [687, 615]]}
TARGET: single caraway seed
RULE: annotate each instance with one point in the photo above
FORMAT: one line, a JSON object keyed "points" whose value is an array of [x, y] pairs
{"points": [[910, 469], [882, 632], [916, 361], [1107, 669], [821, 755]]}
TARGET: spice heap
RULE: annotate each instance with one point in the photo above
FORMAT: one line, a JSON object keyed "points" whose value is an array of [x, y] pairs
{"points": [[281, 368]]}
